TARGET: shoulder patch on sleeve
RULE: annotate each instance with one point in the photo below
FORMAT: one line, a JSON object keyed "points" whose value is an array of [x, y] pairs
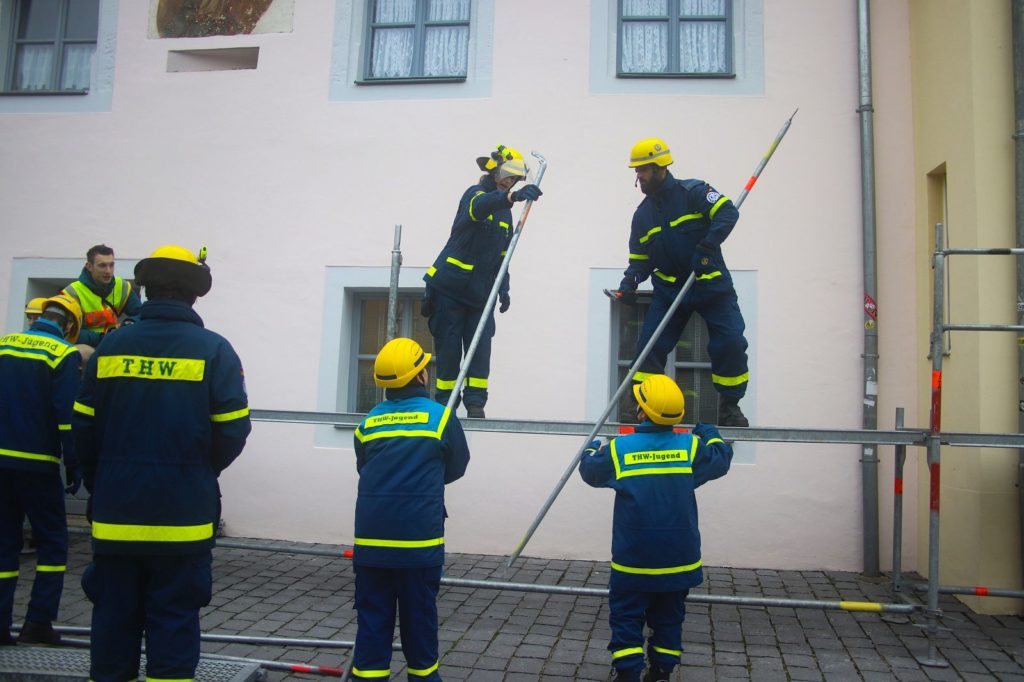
{"points": [[713, 195]]}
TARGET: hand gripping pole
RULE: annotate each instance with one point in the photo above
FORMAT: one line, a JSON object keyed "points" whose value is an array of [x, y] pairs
{"points": [[493, 296], [639, 360]]}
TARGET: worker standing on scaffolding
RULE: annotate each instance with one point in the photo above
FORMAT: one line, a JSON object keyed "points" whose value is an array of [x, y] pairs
{"points": [[407, 450], [677, 229], [461, 278], [161, 413], [655, 538]]}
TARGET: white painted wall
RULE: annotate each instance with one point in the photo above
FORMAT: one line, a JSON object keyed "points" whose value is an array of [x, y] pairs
{"points": [[283, 172]]}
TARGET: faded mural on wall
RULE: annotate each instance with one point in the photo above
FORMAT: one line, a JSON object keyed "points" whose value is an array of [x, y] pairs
{"points": [[202, 18]]}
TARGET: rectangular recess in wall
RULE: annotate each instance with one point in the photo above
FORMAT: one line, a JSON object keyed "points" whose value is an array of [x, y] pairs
{"points": [[223, 59]]}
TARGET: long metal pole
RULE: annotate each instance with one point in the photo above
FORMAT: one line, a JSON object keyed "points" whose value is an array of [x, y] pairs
{"points": [[934, 451], [869, 454], [897, 511], [640, 359], [1017, 25], [493, 296], [396, 266]]}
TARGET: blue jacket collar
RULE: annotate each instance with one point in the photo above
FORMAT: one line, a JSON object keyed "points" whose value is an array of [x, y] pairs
{"points": [[413, 390], [650, 427], [167, 309], [47, 327], [669, 182]]}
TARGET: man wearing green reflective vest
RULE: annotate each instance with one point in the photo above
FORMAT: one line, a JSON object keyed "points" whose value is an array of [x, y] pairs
{"points": [[103, 296], [39, 372], [161, 413], [655, 539], [407, 450]]}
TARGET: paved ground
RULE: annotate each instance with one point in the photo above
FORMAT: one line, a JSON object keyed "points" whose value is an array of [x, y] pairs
{"points": [[517, 636]]}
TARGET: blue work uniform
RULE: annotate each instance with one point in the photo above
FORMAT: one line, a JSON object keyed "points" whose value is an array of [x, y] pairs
{"points": [[407, 449], [39, 374], [667, 228], [458, 284], [655, 537], [162, 411]]}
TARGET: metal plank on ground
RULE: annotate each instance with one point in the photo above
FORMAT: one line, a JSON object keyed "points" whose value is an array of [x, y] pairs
{"points": [[48, 664]]}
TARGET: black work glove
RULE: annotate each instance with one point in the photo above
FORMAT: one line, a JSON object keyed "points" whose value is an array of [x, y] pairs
{"points": [[427, 304], [705, 431], [504, 301], [704, 258], [627, 290], [73, 478], [528, 192]]}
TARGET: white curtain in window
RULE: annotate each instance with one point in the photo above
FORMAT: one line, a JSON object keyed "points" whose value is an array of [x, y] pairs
{"points": [[394, 11], [392, 53], [33, 67], [644, 47], [702, 47], [702, 7], [446, 51], [644, 8], [77, 67], [448, 10]]}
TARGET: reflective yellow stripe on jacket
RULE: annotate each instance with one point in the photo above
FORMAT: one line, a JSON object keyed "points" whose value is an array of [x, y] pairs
{"points": [[668, 570], [404, 433], [123, 532]]}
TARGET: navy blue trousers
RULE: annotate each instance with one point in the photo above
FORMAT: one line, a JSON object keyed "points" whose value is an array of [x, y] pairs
{"points": [[452, 325], [159, 596], [414, 592], [716, 303], [40, 497], [662, 612]]}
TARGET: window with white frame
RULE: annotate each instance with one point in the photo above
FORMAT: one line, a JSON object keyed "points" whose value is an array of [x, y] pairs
{"points": [[416, 40], [48, 46], [675, 38], [370, 334], [688, 363]]}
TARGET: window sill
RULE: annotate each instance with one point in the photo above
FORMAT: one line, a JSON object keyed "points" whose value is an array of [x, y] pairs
{"points": [[411, 81], [45, 93], [717, 76]]}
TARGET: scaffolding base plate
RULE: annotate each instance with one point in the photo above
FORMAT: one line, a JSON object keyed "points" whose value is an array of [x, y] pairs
{"points": [[46, 664]]}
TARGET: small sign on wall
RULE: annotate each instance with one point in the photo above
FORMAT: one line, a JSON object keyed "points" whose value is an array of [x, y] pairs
{"points": [[202, 18]]}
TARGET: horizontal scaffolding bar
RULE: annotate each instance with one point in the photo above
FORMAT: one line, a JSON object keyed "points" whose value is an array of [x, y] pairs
{"points": [[977, 591], [983, 328], [984, 252], [914, 437]]}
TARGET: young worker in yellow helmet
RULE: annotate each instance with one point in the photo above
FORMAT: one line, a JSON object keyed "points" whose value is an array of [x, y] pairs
{"points": [[677, 229], [461, 278], [407, 450], [655, 539], [39, 374]]}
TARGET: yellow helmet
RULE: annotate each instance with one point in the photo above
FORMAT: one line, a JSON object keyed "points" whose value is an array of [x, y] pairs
{"points": [[499, 156], [175, 266], [398, 362], [69, 307], [35, 306], [651, 150], [514, 168], [660, 398]]}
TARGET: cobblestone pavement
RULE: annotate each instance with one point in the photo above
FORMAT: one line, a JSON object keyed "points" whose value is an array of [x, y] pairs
{"points": [[509, 636]]}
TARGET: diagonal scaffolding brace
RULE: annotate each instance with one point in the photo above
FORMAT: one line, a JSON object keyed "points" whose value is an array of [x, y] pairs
{"points": [[493, 296], [640, 358]]}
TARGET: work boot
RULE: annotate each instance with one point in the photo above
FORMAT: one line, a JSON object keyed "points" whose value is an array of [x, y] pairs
{"points": [[475, 411], [33, 632], [623, 676], [6, 639], [729, 412], [656, 674]]}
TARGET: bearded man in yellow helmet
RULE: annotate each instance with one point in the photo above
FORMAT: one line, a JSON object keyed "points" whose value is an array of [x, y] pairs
{"points": [[407, 450], [677, 229], [655, 538], [461, 278], [161, 413], [39, 374]]}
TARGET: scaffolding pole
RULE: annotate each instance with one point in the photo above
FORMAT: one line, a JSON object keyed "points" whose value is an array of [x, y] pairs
{"points": [[396, 266]]}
